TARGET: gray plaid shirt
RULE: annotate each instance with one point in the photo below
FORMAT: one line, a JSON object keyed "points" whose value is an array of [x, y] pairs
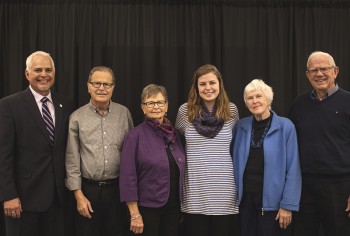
{"points": [[95, 142]]}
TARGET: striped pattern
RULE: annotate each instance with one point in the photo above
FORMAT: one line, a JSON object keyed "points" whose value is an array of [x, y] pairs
{"points": [[48, 118], [209, 186]]}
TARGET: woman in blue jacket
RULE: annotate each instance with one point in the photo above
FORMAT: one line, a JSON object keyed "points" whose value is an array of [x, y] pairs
{"points": [[266, 165], [152, 167]]}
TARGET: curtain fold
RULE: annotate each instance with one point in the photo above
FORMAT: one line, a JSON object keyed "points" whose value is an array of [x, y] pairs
{"points": [[164, 42]]}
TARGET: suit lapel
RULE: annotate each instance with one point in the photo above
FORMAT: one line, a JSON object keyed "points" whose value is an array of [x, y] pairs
{"points": [[33, 110]]}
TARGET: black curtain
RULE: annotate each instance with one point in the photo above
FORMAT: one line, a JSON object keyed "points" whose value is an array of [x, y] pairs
{"points": [[163, 42]]}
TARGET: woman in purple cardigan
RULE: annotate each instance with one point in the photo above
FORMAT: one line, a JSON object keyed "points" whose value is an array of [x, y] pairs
{"points": [[152, 169]]}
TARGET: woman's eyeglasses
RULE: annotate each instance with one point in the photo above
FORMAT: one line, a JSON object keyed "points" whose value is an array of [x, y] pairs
{"points": [[152, 104]]}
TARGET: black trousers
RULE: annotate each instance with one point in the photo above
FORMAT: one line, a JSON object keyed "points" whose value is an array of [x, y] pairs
{"points": [[47, 223], [163, 221], [2, 220], [323, 204], [255, 223], [211, 225], [107, 216]]}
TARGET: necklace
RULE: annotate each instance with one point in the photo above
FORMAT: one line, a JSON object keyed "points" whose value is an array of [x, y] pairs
{"points": [[258, 143]]}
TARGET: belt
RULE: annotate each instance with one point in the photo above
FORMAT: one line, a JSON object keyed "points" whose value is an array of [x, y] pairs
{"points": [[102, 183]]}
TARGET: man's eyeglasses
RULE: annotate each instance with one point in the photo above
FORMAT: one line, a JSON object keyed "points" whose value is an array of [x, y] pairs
{"points": [[322, 69], [152, 104], [98, 84]]}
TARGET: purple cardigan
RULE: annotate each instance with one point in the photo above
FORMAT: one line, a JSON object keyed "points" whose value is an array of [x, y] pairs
{"points": [[144, 167]]}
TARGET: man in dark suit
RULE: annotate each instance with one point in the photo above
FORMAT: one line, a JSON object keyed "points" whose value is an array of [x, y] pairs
{"points": [[33, 137]]}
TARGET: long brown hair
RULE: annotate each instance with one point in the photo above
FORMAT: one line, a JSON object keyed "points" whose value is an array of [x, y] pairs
{"points": [[195, 102]]}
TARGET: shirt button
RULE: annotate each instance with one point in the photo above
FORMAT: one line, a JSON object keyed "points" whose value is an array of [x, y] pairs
{"points": [[106, 161], [180, 159], [105, 147], [104, 132]]}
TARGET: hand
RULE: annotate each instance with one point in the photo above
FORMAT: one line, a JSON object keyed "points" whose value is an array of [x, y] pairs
{"points": [[284, 217], [83, 204], [136, 224], [13, 208], [348, 207]]}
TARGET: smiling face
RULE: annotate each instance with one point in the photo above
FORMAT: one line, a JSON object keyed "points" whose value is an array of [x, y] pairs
{"points": [[258, 104], [322, 82], [41, 74], [208, 89], [155, 112], [101, 96]]}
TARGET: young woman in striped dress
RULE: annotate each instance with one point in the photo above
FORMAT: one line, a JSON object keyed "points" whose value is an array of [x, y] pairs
{"points": [[209, 203]]}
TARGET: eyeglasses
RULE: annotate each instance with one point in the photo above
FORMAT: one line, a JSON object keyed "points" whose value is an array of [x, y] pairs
{"points": [[321, 69], [98, 84], [152, 104]]}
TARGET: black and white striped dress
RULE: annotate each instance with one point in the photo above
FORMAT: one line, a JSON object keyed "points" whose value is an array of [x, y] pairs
{"points": [[209, 186]]}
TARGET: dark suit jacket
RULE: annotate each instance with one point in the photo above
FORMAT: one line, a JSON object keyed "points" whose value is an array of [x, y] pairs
{"points": [[32, 167]]}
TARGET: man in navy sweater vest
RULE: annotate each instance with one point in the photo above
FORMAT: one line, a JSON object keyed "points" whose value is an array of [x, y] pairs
{"points": [[322, 120]]}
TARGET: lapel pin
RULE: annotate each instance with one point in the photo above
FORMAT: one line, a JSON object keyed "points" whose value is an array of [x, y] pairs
{"points": [[61, 105]]}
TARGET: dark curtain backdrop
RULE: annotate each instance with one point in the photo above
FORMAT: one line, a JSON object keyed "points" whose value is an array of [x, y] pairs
{"points": [[163, 42]]}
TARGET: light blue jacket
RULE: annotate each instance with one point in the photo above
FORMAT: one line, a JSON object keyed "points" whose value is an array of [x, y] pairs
{"points": [[282, 176]]}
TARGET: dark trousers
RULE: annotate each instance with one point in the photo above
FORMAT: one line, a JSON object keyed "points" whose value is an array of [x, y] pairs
{"points": [[211, 225], [323, 204], [106, 216], [163, 221], [47, 223], [69, 215], [2, 220], [253, 222]]}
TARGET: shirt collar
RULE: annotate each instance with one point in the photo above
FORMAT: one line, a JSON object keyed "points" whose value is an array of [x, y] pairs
{"points": [[314, 96], [108, 109], [38, 96]]}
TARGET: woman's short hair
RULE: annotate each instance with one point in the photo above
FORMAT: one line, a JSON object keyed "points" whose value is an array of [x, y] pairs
{"points": [[153, 90], [29, 61], [258, 85]]}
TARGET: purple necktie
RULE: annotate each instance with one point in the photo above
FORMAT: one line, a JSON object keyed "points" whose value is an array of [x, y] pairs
{"points": [[48, 118]]}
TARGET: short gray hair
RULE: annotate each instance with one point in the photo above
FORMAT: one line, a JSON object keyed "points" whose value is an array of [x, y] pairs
{"points": [[258, 85], [152, 90], [101, 68], [319, 53], [29, 61]]}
